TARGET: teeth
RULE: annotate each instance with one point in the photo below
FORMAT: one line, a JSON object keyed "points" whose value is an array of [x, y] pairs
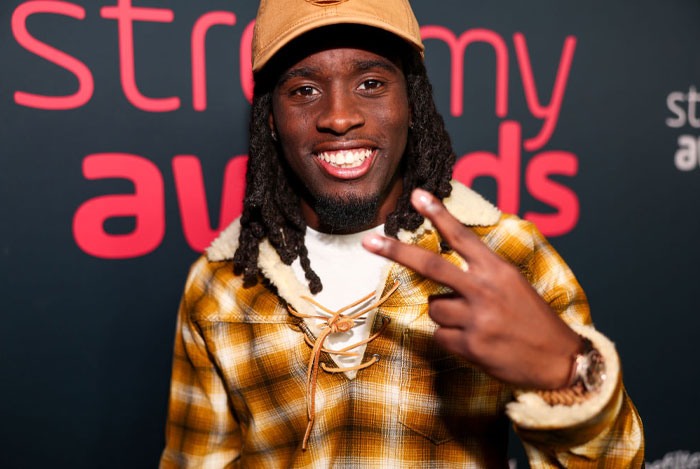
{"points": [[345, 158]]}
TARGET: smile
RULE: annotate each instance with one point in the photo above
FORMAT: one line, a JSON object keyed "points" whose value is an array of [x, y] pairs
{"points": [[346, 163], [345, 158]]}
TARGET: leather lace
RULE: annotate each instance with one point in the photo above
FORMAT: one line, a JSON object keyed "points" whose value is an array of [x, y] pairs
{"points": [[336, 323]]}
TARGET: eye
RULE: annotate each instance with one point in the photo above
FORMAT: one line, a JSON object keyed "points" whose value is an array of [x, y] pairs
{"points": [[305, 91], [370, 85]]}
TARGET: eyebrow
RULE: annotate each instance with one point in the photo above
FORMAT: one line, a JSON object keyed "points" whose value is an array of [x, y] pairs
{"points": [[296, 72], [364, 65], [358, 65]]}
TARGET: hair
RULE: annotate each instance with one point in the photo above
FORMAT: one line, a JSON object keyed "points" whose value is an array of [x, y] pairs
{"points": [[271, 207]]}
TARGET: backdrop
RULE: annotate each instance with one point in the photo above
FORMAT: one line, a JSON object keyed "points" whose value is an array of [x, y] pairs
{"points": [[123, 152]]}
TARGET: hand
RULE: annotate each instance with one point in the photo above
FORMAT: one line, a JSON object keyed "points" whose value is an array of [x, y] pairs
{"points": [[495, 319]]}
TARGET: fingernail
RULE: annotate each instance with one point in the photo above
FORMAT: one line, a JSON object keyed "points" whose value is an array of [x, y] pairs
{"points": [[423, 199], [373, 242]]}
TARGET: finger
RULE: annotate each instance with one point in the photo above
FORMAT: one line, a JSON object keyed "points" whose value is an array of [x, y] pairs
{"points": [[459, 237], [426, 263], [451, 339], [450, 312]]}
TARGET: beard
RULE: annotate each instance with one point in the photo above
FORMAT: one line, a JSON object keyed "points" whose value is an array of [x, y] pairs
{"points": [[348, 214]]}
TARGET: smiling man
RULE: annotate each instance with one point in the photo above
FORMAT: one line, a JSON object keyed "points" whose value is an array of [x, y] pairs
{"points": [[365, 310], [343, 147]]}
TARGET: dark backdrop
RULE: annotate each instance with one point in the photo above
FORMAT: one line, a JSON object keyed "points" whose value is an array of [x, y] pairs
{"points": [[88, 309]]}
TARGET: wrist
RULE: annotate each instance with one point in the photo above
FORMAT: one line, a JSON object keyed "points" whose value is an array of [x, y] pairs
{"points": [[586, 377], [565, 364], [530, 410]]}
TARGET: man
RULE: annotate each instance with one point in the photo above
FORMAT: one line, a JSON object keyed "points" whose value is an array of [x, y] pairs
{"points": [[283, 359]]}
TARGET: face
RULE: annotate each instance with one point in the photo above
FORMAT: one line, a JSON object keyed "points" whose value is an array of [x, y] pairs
{"points": [[342, 118]]}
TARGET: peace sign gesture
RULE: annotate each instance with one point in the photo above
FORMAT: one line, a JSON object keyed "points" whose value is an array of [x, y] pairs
{"points": [[494, 318]]}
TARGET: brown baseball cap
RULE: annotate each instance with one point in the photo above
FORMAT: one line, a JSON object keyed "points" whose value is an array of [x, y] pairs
{"points": [[280, 21]]}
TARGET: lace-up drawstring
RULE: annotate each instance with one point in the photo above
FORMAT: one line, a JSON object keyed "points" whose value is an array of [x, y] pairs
{"points": [[336, 323]]}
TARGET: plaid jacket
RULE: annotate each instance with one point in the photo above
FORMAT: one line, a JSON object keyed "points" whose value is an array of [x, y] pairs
{"points": [[238, 391]]}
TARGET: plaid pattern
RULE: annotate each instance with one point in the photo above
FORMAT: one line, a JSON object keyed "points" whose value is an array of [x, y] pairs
{"points": [[238, 382]]}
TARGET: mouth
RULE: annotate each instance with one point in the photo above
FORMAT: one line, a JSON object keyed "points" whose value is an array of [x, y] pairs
{"points": [[346, 163], [351, 158]]}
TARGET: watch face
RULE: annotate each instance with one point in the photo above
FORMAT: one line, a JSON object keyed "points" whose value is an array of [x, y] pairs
{"points": [[594, 373]]}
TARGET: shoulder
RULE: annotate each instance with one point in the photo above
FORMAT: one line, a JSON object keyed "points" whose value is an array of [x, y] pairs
{"points": [[510, 233], [214, 293], [506, 234], [208, 287], [225, 245]]}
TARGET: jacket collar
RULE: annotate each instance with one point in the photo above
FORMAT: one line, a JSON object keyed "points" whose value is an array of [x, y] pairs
{"points": [[464, 204]]}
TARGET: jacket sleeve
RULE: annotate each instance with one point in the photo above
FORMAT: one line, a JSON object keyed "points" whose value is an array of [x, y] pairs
{"points": [[201, 430], [603, 431]]}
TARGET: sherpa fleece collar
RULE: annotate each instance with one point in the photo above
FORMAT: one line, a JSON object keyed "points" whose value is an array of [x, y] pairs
{"points": [[464, 204]]}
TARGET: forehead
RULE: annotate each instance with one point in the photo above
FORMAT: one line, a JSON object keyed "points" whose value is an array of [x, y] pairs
{"points": [[339, 61]]}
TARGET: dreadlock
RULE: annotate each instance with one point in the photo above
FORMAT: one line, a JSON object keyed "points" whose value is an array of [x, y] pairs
{"points": [[271, 208]]}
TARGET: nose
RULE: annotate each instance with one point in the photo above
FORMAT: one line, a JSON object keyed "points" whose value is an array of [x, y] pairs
{"points": [[341, 113]]}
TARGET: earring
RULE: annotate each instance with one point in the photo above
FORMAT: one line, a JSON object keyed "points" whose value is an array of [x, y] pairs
{"points": [[273, 134]]}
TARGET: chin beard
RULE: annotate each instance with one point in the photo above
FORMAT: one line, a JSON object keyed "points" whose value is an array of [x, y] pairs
{"points": [[349, 214]]}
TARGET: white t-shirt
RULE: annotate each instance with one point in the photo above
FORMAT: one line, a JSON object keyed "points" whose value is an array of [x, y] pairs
{"points": [[348, 272]]}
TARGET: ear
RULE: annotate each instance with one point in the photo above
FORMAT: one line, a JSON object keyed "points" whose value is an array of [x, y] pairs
{"points": [[273, 133]]}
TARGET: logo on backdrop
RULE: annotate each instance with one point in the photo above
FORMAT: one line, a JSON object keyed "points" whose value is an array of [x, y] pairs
{"points": [[520, 160], [684, 107]]}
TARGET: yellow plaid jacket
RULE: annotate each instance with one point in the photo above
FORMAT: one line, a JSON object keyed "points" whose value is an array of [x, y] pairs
{"points": [[238, 390]]}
